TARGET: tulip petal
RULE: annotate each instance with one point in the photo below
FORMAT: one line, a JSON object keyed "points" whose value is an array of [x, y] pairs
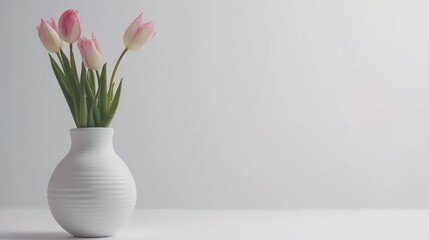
{"points": [[91, 56], [69, 25], [97, 45], [49, 37], [144, 35], [130, 33], [138, 33]]}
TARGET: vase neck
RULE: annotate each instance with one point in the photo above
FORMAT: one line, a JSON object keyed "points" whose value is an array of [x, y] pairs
{"points": [[91, 138]]}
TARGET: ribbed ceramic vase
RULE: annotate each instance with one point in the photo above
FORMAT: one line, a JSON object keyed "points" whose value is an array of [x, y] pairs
{"points": [[91, 192]]}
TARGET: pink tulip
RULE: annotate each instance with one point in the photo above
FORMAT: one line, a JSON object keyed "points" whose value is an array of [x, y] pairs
{"points": [[69, 26], [48, 34], [138, 33], [90, 52]]}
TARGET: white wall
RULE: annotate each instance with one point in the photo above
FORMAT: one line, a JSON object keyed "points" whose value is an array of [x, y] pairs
{"points": [[236, 104]]}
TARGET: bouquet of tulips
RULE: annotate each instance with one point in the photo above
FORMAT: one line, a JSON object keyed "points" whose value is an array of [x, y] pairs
{"points": [[92, 99]]}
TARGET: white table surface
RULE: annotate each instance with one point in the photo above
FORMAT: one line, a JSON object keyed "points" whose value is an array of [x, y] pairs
{"points": [[37, 224]]}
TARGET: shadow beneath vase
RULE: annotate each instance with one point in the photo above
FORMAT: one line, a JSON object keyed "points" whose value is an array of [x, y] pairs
{"points": [[37, 236], [34, 235]]}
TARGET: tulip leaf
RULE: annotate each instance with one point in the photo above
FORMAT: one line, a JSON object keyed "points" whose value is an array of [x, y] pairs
{"points": [[110, 95], [97, 116], [83, 73], [83, 112], [96, 110], [110, 92], [91, 103], [114, 106], [88, 88], [91, 122], [89, 93], [90, 99], [73, 63], [61, 81], [70, 81], [103, 91], [115, 102], [91, 77], [69, 74]]}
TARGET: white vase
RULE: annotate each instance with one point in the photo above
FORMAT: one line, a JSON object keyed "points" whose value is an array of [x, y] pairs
{"points": [[91, 192]]}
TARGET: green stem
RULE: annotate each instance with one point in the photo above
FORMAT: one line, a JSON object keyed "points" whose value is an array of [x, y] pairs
{"points": [[73, 63], [94, 90], [98, 77], [116, 67], [59, 58]]}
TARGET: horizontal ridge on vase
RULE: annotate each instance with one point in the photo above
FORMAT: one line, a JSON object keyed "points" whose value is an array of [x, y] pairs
{"points": [[91, 192]]}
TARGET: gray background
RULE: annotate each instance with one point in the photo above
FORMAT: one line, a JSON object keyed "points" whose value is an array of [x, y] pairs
{"points": [[236, 104]]}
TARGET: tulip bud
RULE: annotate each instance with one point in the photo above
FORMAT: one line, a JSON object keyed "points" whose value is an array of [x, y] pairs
{"points": [[90, 52], [69, 26], [48, 34], [138, 33]]}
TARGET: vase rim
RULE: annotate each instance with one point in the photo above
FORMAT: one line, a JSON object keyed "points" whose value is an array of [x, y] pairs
{"points": [[91, 129]]}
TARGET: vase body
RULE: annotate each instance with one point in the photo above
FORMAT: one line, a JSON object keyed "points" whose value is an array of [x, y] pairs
{"points": [[91, 192]]}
